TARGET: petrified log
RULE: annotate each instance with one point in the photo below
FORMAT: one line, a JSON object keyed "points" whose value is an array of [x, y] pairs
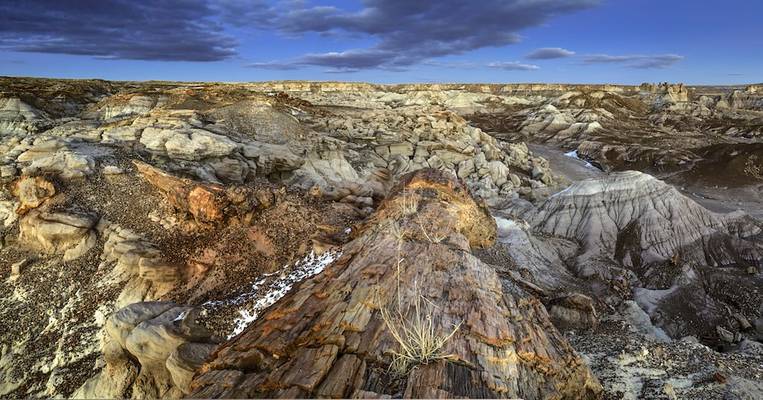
{"points": [[32, 192], [332, 336], [207, 203]]}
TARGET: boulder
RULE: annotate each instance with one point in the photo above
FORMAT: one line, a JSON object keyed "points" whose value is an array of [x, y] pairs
{"points": [[230, 170], [164, 340], [189, 144], [62, 232], [17, 268], [574, 311], [55, 156], [121, 134], [327, 165], [272, 158], [499, 172], [8, 171], [112, 170], [32, 192], [8, 212]]}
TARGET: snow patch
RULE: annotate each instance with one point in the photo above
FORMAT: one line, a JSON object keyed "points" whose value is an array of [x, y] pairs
{"points": [[567, 189], [507, 226], [181, 316], [271, 288], [574, 154]]}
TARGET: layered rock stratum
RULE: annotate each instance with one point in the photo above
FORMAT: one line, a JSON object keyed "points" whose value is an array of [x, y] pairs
{"points": [[301, 239]]}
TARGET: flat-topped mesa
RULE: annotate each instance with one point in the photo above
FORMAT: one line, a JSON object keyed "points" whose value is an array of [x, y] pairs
{"points": [[338, 334], [328, 86]]}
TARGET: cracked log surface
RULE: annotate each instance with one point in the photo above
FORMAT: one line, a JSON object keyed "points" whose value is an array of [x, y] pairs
{"points": [[327, 338]]}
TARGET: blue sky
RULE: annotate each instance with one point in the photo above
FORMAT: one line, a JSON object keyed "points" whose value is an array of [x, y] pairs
{"points": [[386, 41]]}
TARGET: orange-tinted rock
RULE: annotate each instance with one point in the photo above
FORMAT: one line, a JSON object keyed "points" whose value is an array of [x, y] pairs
{"points": [[32, 192], [327, 337], [207, 203]]}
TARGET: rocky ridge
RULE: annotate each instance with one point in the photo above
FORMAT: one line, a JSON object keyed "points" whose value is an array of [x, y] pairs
{"points": [[328, 338], [164, 229]]}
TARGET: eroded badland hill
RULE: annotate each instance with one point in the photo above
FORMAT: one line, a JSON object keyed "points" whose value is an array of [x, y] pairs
{"points": [[326, 239]]}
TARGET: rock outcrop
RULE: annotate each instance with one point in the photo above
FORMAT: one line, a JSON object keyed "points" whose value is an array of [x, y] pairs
{"points": [[32, 192], [639, 220], [206, 203], [166, 344], [57, 157], [671, 252], [142, 224], [68, 233], [19, 117], [335, 336]]}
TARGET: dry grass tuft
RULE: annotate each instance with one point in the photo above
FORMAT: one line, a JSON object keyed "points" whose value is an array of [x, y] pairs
{"points": [[433, 238], [408, 204], [419, 341], [413, 329]]}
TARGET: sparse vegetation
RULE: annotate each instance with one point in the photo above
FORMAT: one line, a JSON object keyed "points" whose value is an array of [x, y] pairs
{"points": [[413, 328], [416, 334], [433, 238], [408, 205]]}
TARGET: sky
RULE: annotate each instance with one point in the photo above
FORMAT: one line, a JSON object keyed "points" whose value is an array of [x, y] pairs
{"points": [[386, 41]]}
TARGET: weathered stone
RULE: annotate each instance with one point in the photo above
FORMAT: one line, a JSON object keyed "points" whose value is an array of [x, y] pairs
{"points": [[121, 134], [272, 158], [8, 171], [404, 149], [320, 338], [499, 172], [465, 168], [206, 203], [8, 212], [55, 156], [183, 362], [112, 170], [32, 192], [167, 347], [724, 334], [574, 311], [230, 170], [126, 319], [17, 268], [67, 233], [192, 144]]}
